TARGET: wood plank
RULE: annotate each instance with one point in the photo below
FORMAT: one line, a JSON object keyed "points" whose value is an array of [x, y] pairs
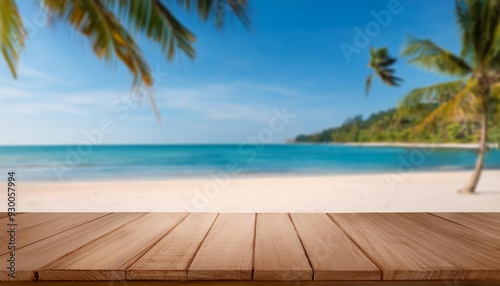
{"points": [[26, 220], [227, 251], [37, 255], [170, 257], [488, 223], [420, 247], [107, 257], [279, 254], [40, 226], [476, 252], [331, 252], [399, 253], [256, 283]]}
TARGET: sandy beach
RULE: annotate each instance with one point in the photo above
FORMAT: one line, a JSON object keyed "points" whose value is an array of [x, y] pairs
{"points": [[384, 192], [465, 146]]}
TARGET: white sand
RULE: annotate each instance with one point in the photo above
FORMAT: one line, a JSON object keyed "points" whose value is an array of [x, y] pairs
{"points": [[419, 145], [415, 192]]}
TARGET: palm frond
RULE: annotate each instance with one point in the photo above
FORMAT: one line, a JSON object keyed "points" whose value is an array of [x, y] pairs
{"points": [[217, 10], [430, 56], [380, 62], [12, 34], [494, 23], [463, 106], [436, 93], [157, 22], [368, 84], [108, 37], [464, 21]]}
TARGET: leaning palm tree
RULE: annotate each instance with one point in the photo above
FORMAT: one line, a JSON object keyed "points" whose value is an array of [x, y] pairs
{"points": [[110, 25], [381, 63], [474, 89]]}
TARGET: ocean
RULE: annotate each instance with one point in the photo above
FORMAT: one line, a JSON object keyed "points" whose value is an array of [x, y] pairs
{"points": [[136, 162]]}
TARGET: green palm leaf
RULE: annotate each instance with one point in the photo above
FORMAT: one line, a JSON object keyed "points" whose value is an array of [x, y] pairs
{"points": [[436, 93], [12, 34], [464, 105], [157, 22], [430, 56], [368, 84], [380, 63], [108, 37], [217, 10]]}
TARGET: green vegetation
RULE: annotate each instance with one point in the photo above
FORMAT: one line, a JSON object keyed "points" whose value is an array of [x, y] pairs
{"points": [[380, 63], [464, 109], [400, 125], [471, 97]]}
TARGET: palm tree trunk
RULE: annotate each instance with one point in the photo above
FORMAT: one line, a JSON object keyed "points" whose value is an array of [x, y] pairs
{"points": [[476, 175]]}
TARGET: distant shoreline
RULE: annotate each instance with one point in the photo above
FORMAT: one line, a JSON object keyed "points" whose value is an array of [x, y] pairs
{"points": [[418, 145]]}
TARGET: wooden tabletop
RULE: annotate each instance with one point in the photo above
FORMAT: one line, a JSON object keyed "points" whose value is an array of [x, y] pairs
{"points": [[254, 247]]}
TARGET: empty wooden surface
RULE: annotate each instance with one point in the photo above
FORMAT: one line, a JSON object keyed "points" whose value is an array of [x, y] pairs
{"points": [[227, 251], [107, 257], [488, 223], [384, 248], [36, 256], [60, 223], [421, 247], [170, 257], [278, 251], [333, 255]]}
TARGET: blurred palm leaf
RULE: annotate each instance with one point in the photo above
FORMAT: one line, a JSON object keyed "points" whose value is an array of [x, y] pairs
{"points": [[436, 93], [217, 10], [428, 55], [157, 22], [12, 34], [473, 97], [102, 22], [381, 63], [105, 32]]}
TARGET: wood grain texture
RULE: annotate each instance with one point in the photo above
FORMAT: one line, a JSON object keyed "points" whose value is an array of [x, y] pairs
{"points": [[36, 256], [420, 247], [107, 257], [24, 221], [407, 248], [27, 220], [488, 223], [29, 231], [331, 252], [227, 251], [475, 251], [279, 254], [170, 257], [257, 283]]}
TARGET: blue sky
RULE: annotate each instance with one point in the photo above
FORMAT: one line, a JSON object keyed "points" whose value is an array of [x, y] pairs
{"points": [[291, 59]]}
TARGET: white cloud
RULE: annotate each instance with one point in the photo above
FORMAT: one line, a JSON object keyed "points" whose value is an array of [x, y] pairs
{"points": [[32, 73], [222, 102], [26, 101]]}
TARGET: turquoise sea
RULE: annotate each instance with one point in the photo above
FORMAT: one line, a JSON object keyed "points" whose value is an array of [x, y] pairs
{"points": [[130, 162]]}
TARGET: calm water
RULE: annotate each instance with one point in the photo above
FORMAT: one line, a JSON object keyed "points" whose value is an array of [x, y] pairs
{"points": [[41, 163]]}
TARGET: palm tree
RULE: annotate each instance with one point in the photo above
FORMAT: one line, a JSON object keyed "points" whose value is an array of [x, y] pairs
{"points": [[380, 62], [109, 25], [474, 89]]}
